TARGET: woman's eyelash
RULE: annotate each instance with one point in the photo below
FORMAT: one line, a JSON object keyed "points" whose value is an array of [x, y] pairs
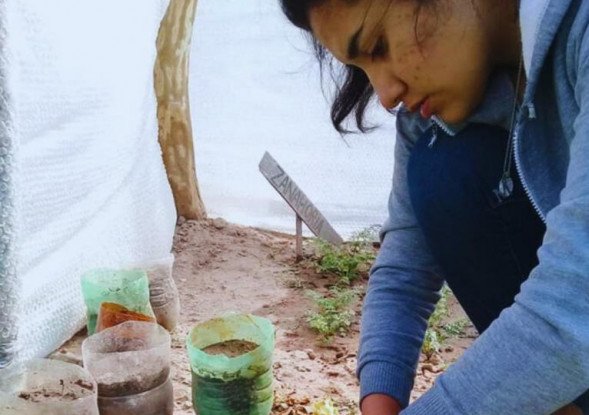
{"points": [[380, 49]]}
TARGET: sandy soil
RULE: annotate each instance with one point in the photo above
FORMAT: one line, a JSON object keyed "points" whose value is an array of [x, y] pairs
{"points": [[222, 267]]}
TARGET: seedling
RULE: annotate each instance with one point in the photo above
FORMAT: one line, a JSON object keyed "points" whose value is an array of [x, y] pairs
{"points": [[349, 261], [333, 314], [433, 339]]}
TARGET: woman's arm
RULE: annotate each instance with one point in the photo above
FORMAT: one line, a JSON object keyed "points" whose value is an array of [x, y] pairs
{"points": [[534, 357], [403, 289]]}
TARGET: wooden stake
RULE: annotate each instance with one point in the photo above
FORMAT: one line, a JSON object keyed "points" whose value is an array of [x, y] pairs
{"points": [[297, 200], [299, 238]]}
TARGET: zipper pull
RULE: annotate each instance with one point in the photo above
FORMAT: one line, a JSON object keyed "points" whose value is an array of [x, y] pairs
{"points": [[505, 188], [434, 138], [531, 111]]}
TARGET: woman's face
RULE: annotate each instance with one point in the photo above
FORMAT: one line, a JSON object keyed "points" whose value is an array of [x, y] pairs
{"points": [[434, 59]]}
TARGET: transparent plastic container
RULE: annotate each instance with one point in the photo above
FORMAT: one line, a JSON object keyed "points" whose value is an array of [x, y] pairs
{"points": [[232, 385], [47, 387], [163, 293], [131, 362], [153, 402], [128, 288]]}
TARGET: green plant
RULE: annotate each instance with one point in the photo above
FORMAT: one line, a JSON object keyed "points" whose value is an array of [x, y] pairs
{"points": [[333, 313], [350, 260], [441, 310], [432, 342], [434, 337], [456, 328], [325, 407], [367, 235]]}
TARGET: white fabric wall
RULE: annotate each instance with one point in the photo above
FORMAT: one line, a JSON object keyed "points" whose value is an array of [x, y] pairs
{"points": [[92, 189], [8, 278], [255, 87]]}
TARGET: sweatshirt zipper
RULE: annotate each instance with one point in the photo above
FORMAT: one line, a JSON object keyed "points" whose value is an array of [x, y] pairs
{"points": [[437, 123], [522, 177], [443, 126], [434, 138]]}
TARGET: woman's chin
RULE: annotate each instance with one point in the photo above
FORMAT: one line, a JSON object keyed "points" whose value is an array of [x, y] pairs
{"points": [[454, 115]]}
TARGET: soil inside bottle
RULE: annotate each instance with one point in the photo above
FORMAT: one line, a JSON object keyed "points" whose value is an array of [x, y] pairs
{"points": [[67, 391], [230, 348], [158, 401], [112, 314], [132, 386]]}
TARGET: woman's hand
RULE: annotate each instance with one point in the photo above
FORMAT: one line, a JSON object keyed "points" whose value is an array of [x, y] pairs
{"points": [[378, 404], [569, 410]]}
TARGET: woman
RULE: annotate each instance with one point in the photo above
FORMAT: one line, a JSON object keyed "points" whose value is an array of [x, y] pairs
{"points": [[490, 193]]}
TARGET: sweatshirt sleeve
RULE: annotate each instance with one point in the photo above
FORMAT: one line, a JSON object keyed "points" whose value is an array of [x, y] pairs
{"points": [[402, 291], [534, 358]]}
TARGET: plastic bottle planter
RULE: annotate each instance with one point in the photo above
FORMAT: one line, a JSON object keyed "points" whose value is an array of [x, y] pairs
{"points": [[231, 362], [163, 293], [131, 364], [47, 387], [127, 288]]}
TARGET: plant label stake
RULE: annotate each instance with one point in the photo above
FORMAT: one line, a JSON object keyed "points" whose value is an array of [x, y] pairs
{"points": [[304, 209], [299, 239]]}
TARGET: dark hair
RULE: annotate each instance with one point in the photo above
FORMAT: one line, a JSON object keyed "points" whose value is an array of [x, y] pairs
{"points": [[354, 90]]}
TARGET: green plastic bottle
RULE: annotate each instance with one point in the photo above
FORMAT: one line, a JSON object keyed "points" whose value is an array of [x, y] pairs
{"points": [[129, 288], [240, 385]]}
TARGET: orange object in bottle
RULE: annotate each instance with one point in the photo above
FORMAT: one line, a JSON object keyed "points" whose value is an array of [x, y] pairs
{"points": [[112, 314]]}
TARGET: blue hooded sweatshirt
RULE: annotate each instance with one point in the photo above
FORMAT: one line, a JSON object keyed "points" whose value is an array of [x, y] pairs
{"points": [[534, 358]]}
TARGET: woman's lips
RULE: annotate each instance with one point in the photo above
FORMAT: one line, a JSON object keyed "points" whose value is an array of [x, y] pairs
{"points": [[423, 106], [425, 109]]}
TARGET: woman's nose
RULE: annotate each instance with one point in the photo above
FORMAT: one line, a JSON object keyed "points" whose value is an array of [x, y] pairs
{"points": [[388, 101], [388, 88]]}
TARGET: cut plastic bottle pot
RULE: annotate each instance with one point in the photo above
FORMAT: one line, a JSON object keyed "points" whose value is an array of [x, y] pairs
{"points": [[163, 293], [128, 288], [47, 387], [232, 385], [131, 365]]}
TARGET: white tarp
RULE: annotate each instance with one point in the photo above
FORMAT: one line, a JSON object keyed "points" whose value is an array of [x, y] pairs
{"points": [[8, 278], [255, 87], [91, 186]]}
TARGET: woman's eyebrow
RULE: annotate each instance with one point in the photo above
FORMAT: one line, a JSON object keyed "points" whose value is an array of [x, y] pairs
{"points": [[353, 48], [354, 42]]}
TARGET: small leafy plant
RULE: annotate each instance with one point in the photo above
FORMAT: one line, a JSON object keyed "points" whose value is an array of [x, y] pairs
{"points": [[325, 407], [350, 260], [437, 333], [434, 337], [333, 314], [432, 342], [456, 328]]}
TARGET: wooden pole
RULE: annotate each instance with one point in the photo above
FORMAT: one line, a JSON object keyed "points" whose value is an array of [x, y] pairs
{"points": [[299, 238], [171, 86]]}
